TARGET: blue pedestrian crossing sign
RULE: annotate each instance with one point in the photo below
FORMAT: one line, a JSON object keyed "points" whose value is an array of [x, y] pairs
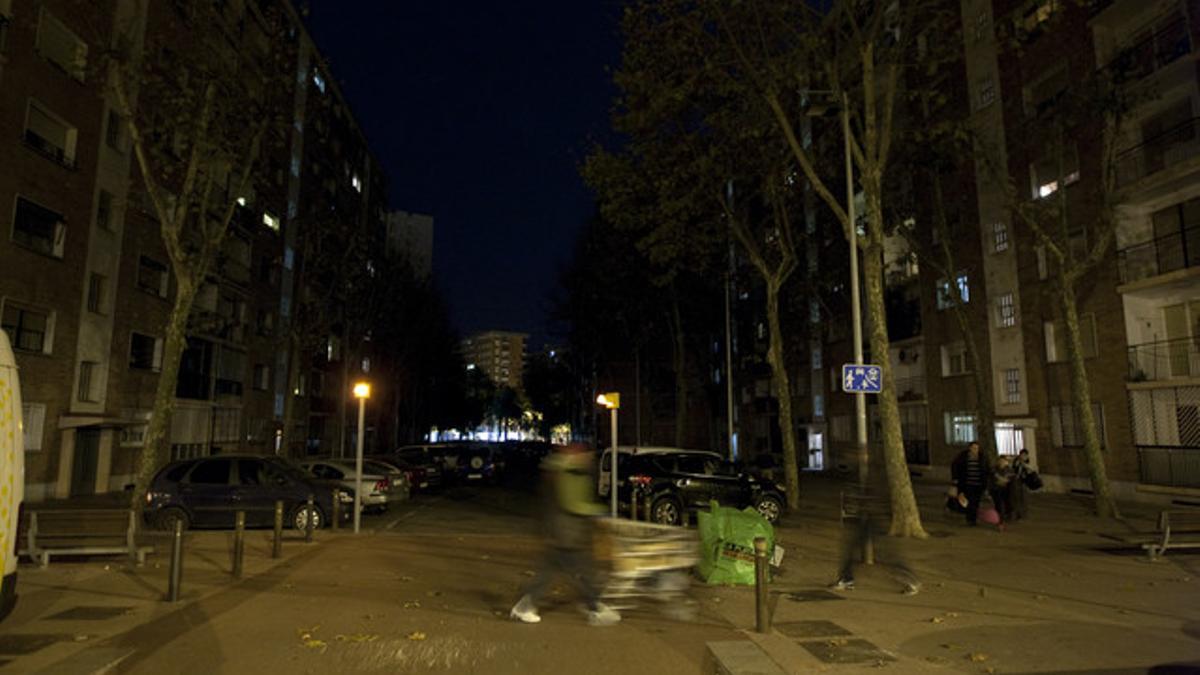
{"points": [[862, 378]]}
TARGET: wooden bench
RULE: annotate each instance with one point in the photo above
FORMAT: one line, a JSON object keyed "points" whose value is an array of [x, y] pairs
{"points": [[1176, 529], [62, 532]]}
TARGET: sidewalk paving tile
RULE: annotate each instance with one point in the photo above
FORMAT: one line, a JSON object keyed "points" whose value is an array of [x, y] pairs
{"points": [[28, 643], [840, 650], [742, 657], [811, 629], [89, 613]]}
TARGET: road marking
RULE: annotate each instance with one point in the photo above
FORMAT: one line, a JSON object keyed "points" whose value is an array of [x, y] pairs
{"points": [[397, 521]]}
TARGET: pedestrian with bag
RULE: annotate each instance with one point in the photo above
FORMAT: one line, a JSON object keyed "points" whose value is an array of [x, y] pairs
{"points": [[570, 513], [970, 471]]}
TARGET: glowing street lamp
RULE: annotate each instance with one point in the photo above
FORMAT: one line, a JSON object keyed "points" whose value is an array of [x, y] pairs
{"points": [[362, 392], [612, 401]]}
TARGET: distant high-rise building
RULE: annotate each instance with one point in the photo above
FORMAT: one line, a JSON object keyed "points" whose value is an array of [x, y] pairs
{"points": [[500, 354], [411, 235]]}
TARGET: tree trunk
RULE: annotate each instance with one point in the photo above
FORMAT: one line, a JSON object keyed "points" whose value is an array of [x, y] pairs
{"points": [[154, 452], [1081, 397], [906, 519], [679, 361], [289, 397], [783, 395]]}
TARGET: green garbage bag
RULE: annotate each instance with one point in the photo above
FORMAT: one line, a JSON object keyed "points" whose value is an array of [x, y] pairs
{"points": [[727, 544]]}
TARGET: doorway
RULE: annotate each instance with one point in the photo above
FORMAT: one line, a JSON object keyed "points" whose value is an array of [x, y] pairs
{"points": [[86, 462], [816, 450]]}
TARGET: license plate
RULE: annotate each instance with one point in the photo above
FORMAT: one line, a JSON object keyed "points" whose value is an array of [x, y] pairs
{"points": [[475, 475], [395, 482], [424, 484]]}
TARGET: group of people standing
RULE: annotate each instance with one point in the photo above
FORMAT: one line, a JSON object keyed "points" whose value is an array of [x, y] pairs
{"points": [[1005, 483]]}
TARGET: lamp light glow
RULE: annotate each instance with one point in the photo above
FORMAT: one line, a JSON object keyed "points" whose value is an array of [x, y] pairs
{"points": [[362, 390]]}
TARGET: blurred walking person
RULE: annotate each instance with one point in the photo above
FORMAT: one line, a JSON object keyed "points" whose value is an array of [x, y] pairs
{"points": [[870, 526], [569, 511]]}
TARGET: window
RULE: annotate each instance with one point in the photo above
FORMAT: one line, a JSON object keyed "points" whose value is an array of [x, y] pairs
{"points": [[38, 228], [271, 221], [87, 387], [1056, 338], [814, 311], [818, 405], [145, 352], [954, 359], [816, 358], [97, 286], [1006, 311], [987, 92], [134, 434], [319, 81], [1012, 385], [60, 46], [33, 420], [104, 207], [999, 236], [945, 296], [29, 329], [356, 183], [152, 276], [211, 472], [114, 132], [262, 377], [50, 135], [1044, 93], [1046, 172], [1066, 429], [960, 427]]}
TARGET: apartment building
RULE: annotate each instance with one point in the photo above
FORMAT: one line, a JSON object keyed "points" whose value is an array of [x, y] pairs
{"points": [[1140, 307], [86, 284], [499, 354]]}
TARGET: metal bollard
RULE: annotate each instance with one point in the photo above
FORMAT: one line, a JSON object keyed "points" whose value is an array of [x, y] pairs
{"points": [[762, 622], [239, 543], [176, 573], [337, 510], [633, 505], [277, 542], [308, 521]]}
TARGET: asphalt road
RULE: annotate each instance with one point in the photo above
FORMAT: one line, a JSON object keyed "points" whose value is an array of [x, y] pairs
{"points": [[425, 587]]}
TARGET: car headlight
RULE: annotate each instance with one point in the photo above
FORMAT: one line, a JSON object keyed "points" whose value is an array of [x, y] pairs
{"points": [[781, 488], [345, 497]]}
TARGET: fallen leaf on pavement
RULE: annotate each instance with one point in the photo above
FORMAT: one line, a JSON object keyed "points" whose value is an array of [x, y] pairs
{"points": [[977, 656], [82, 637], [316, 644], [488, 557], [936, 619], [952, 614], [837, 642], [411, 605], [416, 636], [528, 573]]}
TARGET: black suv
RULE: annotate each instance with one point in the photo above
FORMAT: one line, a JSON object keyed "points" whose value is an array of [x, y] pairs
{"points": [[210, 490], [674, 481]]}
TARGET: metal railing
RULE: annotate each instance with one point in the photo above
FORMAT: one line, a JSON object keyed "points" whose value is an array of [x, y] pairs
{"points": [[1168, 466], [1144, 57], [1160, 255], [1167, 149], [1164, 360]]}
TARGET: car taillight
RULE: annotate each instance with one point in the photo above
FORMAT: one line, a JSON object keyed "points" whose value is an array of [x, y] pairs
{"points": [[640, 481], [381, 486]]}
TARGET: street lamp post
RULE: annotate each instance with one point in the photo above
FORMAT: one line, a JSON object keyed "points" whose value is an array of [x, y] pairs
{"points": [[612, 401], [362, 391]]}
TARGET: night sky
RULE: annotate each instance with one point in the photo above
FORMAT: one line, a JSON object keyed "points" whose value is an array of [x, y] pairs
{"points": [[481, 113]]}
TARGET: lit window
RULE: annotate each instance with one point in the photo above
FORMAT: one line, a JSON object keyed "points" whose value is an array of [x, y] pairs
{"points": [[271, 221], [1006, 311], [999, 236], [1012, 385], [945, 297], [356, 183], [960, 427], [319, 81], [1046, 173]]}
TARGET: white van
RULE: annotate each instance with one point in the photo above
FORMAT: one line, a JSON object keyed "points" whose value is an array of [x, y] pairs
{"points": [[12, 473], [603, 480]]}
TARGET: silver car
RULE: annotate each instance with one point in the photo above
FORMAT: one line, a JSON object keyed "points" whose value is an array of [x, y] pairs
{"points": [[377, 487]]}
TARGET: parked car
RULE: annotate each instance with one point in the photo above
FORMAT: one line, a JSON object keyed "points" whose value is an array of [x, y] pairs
{"points": [[678, 482], [208, 491], [415, 474], [401, 486], [473, 463], [376, 486], [428, 457], [604, 481]]}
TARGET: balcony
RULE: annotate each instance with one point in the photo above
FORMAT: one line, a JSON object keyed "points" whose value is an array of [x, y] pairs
{"points": [[1161, 255], [1170, 466], [1153, 52], [910, 388], [1164, 360], [1165, 150]]}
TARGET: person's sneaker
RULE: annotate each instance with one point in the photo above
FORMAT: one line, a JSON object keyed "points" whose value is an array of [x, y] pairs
{"points": [[842, 585], [524, 611], [911, 589], [603, 615]]}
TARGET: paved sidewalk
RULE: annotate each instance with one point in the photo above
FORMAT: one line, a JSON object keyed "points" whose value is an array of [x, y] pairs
{"points": [[1050, 594]]}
